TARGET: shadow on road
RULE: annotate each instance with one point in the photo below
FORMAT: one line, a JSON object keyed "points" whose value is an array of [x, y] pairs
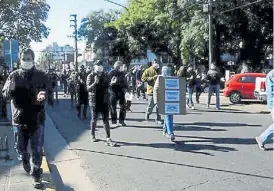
{"points": [[217, 124], [58, 180], [180, 146], [177, 164], [226, 140]]}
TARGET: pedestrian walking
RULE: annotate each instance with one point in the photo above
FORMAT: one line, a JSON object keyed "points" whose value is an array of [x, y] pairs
{"points": [[72, 83], [191, 80], [214, 79], [97, 86], [130, 87], [168, 120], [54, 83], [140, 84], [198, 86], [81, 94], [3, 101], [27, 87], [268, 133], [64, 82], [117, 91], [149, 76]]}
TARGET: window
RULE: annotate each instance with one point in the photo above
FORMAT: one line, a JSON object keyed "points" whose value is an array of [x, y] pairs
{"points": [[248, 79]]}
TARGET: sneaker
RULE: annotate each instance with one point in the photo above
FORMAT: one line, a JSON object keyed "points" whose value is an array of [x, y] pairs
{"points": [[37, 179], [217, 108], [172, 137], [146, 117], [19, 157], [26, 166], [207, 106], [93, 139], [164, 133], [110, 143], [115, 125], [192, 107], [122, 124], [159, 122], [260, 144]]}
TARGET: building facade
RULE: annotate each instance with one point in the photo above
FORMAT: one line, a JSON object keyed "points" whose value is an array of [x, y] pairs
{"points": [[60, 53]]}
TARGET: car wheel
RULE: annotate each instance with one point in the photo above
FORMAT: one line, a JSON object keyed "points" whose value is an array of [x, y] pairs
{"points": [[235, 97]]}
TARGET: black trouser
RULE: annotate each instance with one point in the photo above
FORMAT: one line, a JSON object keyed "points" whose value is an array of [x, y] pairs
{"points": [[141, 91], [128, 105], [114, 98], [104, 111], [82, 99], [78, 107], [72, 99], [36, 139], [3, 108], [198, 93]]}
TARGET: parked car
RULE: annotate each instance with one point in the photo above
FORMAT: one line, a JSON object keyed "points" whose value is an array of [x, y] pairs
{"points": [[260, 89], [241, 86]]}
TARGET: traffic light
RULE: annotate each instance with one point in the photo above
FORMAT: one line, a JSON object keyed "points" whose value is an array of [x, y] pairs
{"points": [[73, 20]]}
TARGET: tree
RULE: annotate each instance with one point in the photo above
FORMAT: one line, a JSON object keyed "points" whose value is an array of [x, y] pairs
{"points": [[94, 31], [151, 24], [180, 28], [24, 21]]}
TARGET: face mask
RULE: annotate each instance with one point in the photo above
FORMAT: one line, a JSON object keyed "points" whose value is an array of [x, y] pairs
{"points": [[98, 69], [27, 65], [117, 68], [156, 66]]}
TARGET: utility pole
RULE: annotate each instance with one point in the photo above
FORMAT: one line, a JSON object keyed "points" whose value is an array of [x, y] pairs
{"points": [[74, 25], [210, 33]]}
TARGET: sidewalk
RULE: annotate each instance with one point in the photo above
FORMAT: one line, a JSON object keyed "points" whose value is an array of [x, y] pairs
{"points": [[249, 106], [12, 175]]}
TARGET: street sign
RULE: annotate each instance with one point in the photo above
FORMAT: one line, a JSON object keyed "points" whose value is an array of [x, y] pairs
{"points": [[11, 52]]}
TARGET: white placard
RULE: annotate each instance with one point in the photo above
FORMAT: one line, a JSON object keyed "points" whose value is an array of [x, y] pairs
{"points": [[172, 108], [172, 84], [171, 95]]}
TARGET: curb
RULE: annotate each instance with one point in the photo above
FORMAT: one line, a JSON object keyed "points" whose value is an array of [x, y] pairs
{"points": [[47, 178]]}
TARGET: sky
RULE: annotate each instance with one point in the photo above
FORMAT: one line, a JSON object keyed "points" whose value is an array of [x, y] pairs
{"points": [[59, 20]]}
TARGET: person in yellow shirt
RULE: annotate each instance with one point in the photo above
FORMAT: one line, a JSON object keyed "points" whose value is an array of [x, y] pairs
{"points": [[149, 76]]}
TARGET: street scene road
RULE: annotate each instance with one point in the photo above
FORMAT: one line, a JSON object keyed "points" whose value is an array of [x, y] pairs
{"points": [[214, 150]]}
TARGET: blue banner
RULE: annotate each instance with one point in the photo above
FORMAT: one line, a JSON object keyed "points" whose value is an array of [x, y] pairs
{"points": [[11, 52]]}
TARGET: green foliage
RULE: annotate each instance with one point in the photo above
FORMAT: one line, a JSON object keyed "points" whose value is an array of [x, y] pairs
{"points": [[23, 20]]}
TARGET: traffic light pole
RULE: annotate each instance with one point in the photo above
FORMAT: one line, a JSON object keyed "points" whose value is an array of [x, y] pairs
{"points": [[74, 25], [210, 33]]}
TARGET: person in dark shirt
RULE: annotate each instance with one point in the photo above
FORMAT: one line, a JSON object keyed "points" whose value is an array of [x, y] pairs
{"points": [[28, 88], [140, 84], [214, 78], [3, 101], [191, 79], [97, 86], [117, 91], [81, 94]]}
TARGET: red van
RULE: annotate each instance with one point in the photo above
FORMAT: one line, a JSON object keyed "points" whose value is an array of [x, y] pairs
{"points": [[241, 86]]}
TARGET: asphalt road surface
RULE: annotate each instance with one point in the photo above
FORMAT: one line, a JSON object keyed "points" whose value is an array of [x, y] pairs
{"points": [[214, 151]]}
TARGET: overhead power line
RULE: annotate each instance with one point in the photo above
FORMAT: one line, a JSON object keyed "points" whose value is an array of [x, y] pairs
{"points": [[241, 6]]}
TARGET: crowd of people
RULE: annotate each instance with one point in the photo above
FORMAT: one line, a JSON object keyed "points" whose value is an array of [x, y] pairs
{"points": [[101, 90]]}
